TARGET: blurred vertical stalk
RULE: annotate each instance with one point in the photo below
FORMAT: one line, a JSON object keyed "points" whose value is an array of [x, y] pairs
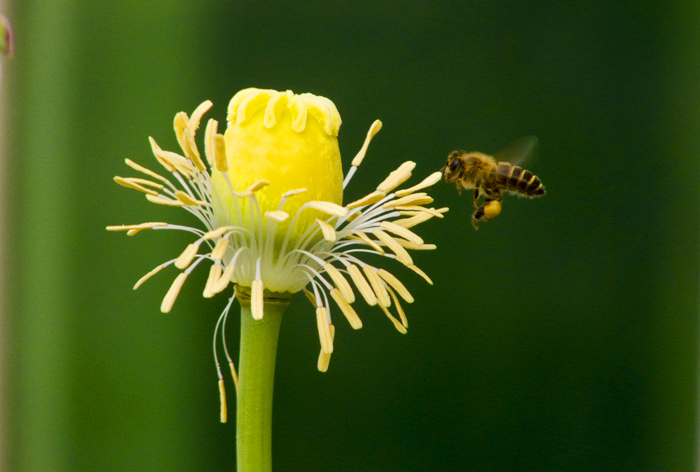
{"points": [[88, 391]]}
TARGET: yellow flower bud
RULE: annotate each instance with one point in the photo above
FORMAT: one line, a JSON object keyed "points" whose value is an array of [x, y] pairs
{"points": [[288, 140]]}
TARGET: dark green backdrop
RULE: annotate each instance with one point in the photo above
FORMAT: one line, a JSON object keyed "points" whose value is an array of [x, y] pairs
{"points": [[560, 336]]}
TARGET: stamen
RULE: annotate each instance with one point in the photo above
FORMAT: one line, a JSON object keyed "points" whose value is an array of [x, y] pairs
{"points": [[397, 324], [216, 233], [148, 276], [220, 154], [415, 247], [291, 193], [373, 244], [197, 115], [420, 272], [256, 298], [143, 170], [164, 201], [340, 282], [374, 129], [399, 308], [378, 286], [324, 331], [225, 278], [413, 199], [310, 297], [156, 150], [173, 292], [413, 220], [212, 280], [324, 359], [401, 254], [370, 199], [397, 177], [328, 207], [401, 231], [187, 256], [347, 310], [187, 200], [362, 285], [219, 249], [414, 208], [136, 228], [429, 181], [396, 284], [210, 141], [277, 215], [133, 185], [222, 401], [327, 230]]}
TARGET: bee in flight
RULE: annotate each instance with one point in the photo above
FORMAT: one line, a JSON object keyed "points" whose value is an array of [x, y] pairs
{"points": [[491, 177]]}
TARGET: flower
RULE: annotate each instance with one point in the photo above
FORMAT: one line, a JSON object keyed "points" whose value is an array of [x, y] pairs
{"points": [[270, 199]]}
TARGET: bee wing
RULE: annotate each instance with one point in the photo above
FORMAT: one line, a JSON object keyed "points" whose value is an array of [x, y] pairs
{"points": [[521, 149]]}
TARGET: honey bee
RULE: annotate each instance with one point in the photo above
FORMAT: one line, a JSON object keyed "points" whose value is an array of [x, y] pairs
{"points": [[491, 177]]}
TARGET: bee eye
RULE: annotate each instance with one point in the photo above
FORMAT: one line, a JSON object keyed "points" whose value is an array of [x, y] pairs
{"points": [[454, 164]]}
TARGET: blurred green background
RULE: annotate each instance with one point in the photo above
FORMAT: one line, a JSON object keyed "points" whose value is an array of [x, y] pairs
{"points": [[560, 336]]}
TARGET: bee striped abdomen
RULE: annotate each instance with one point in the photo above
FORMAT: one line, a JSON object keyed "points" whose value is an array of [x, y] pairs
{"points": [[518, 180]]}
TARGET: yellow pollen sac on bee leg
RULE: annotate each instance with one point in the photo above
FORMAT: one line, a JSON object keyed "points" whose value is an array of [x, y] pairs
{"points": [[492, 209]]}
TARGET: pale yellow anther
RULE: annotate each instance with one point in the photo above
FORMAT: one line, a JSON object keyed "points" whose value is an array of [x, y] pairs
{"points": [[291, 193], [234, 375], [373, 244], [397, 177], [401, 231], [225, 279], [328, 207], [420, 272], [347, 310], [130, 183], [310, 296], [374, 129], [173, 292], [324, 359], [341, 282], [187, 200], [401, 255], [148, 276], [377, 286], [413, 220], [277, 215], [156, 152], [215, 233], [212, 281], [396, 285], [419, 209], [413, 199], [256, 299], [397, 324], [159, 200], [219, 249], [187, 256], [220, 153], [197, 115], [210, 141], [144, 170], [327, 230], [370, 199], [191, 151], [259, 185], [429, 181], [222, 401], [362, 285], [146, 182], [324, 331], [415, 247], [137, 227], [175, 161], [399, 308]]}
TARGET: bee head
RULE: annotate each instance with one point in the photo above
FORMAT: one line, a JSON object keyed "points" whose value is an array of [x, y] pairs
{"points": [[454, 166]]}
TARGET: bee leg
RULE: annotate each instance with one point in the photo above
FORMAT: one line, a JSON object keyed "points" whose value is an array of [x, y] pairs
{"points": [[477, 194], [477, 216], [459, 188]]}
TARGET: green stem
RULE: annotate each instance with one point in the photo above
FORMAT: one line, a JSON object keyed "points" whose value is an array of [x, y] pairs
{"points": [[256, 377]]}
